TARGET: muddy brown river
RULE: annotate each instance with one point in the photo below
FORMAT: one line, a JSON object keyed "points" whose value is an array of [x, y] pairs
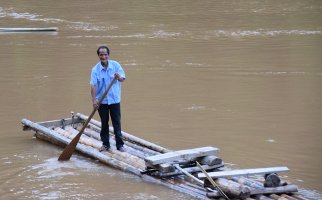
{"points": [[243, 76]]}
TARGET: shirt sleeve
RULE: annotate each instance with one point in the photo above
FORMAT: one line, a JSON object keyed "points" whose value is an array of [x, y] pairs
{"points": [[93, 80], [121, 71]]}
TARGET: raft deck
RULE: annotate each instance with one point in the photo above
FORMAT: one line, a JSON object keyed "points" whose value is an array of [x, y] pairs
{"points": [[177, 170]]}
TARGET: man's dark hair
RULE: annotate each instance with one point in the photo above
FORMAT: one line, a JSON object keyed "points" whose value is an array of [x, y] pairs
{"points": [[103, 47]]}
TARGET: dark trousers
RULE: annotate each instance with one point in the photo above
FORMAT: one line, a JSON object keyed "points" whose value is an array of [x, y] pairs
{"points": [[115, 111]]}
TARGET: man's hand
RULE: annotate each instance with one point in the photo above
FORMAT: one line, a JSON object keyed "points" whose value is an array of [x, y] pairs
{"points": [[95, 104], [118, 76]]}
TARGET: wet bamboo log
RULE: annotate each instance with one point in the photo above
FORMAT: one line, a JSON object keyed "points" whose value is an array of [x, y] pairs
{"points": [[230, 188], [128, 136]]}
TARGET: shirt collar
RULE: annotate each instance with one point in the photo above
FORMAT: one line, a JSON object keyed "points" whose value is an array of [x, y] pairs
{"points": [[108, 65]]}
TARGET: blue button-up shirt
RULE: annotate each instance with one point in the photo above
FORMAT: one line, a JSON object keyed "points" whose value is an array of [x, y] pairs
{"points": [[101, 77]]}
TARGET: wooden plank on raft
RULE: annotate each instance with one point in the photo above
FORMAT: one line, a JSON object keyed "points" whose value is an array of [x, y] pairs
{"points": [[186, 155], [244, 172]]}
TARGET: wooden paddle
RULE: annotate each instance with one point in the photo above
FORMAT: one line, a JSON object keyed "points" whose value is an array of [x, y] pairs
{"points": [[70, 148]]}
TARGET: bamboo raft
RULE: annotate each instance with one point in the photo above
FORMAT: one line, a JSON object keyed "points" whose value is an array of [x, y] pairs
{"points": [[178, 170]]}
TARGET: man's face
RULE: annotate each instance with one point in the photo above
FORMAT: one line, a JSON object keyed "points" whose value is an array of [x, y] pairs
{"points": [[103, 56]]}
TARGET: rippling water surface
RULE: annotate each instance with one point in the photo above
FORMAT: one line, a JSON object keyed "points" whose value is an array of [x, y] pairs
{"points": [[244, 76]]}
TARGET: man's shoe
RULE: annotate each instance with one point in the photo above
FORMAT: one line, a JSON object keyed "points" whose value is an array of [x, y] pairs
{"points": [[121, 149], [104, 148]]}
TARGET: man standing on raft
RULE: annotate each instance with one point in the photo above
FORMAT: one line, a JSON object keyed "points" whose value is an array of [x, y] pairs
{"points": [[101, 76]]}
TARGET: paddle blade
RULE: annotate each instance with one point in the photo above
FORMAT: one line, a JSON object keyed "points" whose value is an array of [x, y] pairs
{"points": [[70, 148]]}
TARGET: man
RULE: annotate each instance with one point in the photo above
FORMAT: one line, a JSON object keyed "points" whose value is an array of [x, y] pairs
{"points": [[102, 75]]}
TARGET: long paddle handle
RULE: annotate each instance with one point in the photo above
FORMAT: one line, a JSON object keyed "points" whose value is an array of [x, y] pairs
{"points": [[189, 175], [70, 148], [212, 181]]}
